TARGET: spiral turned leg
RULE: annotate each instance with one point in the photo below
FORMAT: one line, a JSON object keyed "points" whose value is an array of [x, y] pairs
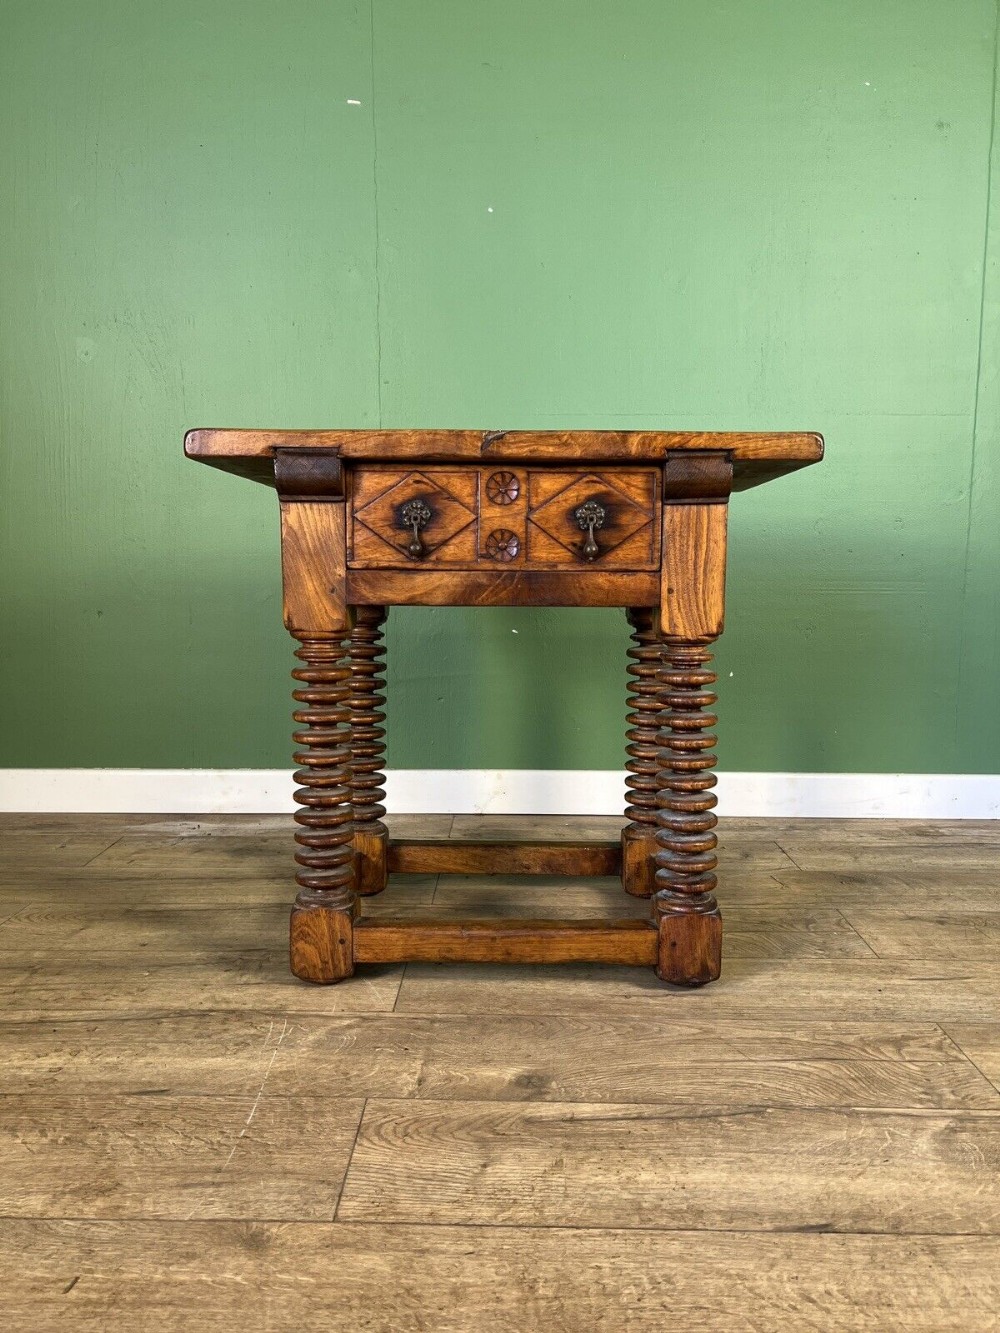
{"points": [[322, 946], [371, 837], [690, 927], [641, 795]]}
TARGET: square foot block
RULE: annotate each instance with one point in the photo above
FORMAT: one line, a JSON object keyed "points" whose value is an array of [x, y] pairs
{"points": [[690, 939], [321, 943]]}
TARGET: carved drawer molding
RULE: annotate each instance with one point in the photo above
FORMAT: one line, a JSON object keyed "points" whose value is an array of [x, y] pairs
{"points": [[528, 518]]}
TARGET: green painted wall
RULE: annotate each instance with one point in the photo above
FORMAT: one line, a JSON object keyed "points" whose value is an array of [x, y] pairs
{"points": [[707, 213]]}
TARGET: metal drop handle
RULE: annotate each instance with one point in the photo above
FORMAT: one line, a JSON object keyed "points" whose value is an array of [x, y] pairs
{"points": [[590, 517], [415, 515]]}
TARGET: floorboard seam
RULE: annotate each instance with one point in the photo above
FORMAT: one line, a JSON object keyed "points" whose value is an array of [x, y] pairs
{"points": [[790, 857], [350, 1159], [399, 990], [966, 1056], [844, 917], [380, 1224], [14, 915], [673, 1111], [101, 853]]}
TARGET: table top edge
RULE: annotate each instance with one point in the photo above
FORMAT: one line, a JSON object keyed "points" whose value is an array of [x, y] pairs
{"points": [[774, 450]]}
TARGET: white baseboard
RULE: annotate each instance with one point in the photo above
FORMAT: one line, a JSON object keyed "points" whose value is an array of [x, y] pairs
{"points": [[498, 791]]}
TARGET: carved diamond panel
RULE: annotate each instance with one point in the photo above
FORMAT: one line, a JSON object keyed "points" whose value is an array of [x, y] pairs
{"points": [[627, 533], [447, 533]]}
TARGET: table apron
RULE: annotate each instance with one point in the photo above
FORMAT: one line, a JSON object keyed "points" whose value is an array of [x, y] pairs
{"points": [[493, 587]]}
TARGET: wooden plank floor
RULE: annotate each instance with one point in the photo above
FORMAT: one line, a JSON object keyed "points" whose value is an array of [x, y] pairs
{"points": [[191, 1139]]}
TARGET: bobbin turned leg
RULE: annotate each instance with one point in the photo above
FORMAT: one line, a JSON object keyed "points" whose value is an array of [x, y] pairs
{"points": [[371, 837], [322, 924], [639, 835], [684, 907], [310, 486], [691, 617]]}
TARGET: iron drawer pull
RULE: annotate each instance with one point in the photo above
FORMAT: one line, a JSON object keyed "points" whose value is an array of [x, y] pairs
{"points": [[415, 515], [590, 516]]}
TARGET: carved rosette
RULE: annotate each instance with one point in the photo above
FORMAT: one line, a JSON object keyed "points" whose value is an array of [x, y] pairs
{"points": [[502, 488], [503, 545]]}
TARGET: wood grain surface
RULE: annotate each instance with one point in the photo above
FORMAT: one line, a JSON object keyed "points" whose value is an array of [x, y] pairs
{"points": [[627, 941], [411, 1279], [502, 587], [430, 445], [693, 598], [558, 857], [313, 556], [191, 1139], [757, 456], [763, 1167]]}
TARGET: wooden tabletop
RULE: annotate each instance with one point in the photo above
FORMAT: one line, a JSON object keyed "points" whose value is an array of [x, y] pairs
{"points": [[757, 456]]}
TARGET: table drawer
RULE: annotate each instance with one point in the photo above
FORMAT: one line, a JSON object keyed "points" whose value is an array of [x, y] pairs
{"points": [[481, 517]]}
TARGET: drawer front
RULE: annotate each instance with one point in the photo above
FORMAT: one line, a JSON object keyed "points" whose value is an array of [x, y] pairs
{"points": [[514, 518]]}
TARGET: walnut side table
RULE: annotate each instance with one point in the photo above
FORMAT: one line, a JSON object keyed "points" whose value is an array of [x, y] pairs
{"points": [[377, 518]]}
